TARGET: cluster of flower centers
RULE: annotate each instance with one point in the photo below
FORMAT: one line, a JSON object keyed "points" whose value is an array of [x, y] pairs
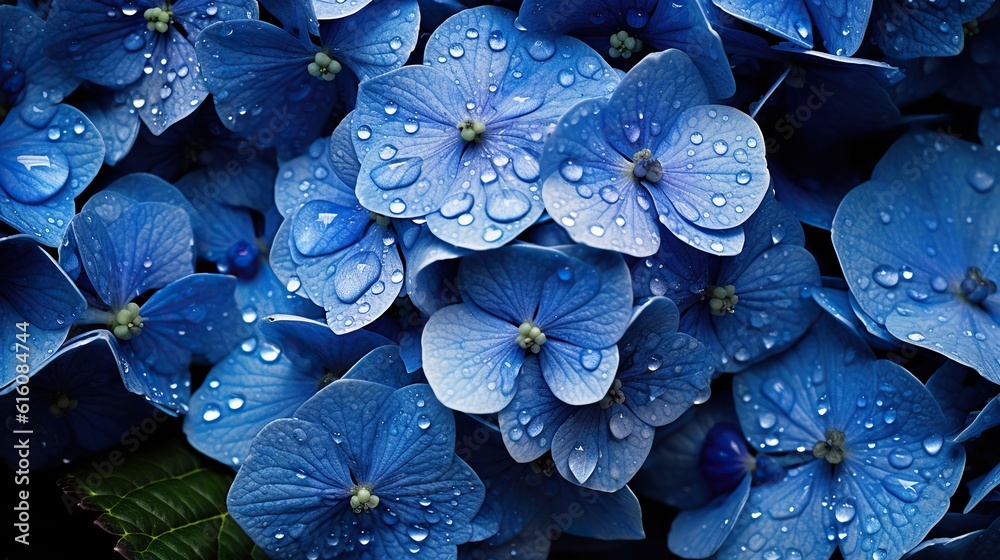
{"points": [[362, 499], [127, 322], [614, 396], [645, 167], [722, 299], [158, 19], [530, 337], [831, 448], [471, 130], [324, 67], [976, 287], [544, 465], [62, 404], [623, 45]]}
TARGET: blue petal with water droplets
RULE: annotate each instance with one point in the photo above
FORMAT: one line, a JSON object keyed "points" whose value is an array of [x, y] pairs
{"points": [[530, 421], [333, 9], [728, 178], [891, 503], [698, 533], [105, 45], [785, 517], [601, 448], [241, 395], [116, 120], [173, 89], [662, 372], [929, 235], [193, 315], [320, 227], [116, 241], [578, 375], [343, 159], [647, 103], [41, 80], [424, 171], [905, 30], [354, 285], [471, 359], [841, 23], [311, 345], [33, 290], [48, 156], [788, 19], [420, 99], [257, 75], [311, 176], [376, 40], [587, 189], [384, 365], [296, 16], [293, 473]]}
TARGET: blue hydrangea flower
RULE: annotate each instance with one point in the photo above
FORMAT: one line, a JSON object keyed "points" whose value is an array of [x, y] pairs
{"points": [[906, 30], [650, 24], [77, 404], [362, 469], [535, 505], [656, 151], [457, 140], [280, 88], [867, 469], [842, 25], [270, 379], [329, 248], [920, 247], [601, 446], [38, 304], [144, 46], [568, 307], [746, 307], [121, 250]]}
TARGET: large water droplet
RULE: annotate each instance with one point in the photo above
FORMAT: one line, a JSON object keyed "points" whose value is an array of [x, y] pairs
{"points": [[885, 276]]}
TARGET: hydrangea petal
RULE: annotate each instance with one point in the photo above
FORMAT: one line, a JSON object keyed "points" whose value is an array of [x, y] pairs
{"points": [[375, 40], [721, 143], [470, 359], [48, 156], [698, 533], [33, 289], [613, 440], [578, 375], [786, 516], [530, 421]]}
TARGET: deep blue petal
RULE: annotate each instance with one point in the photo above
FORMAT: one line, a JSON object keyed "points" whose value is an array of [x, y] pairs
{"points": [[375, 40], [311, 345], [959, 391], [33, 290], [785, 516], [116, 240], [48, 156], [241, 395], [530, 421], [788, 19], [601, 448], [698, 533]]}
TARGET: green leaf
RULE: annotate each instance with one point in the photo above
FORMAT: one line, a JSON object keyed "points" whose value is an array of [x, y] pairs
{"points": [[165, 502]]}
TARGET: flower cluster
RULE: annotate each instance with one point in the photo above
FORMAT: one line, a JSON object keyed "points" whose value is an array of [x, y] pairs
{"points": [[454, 278]]}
